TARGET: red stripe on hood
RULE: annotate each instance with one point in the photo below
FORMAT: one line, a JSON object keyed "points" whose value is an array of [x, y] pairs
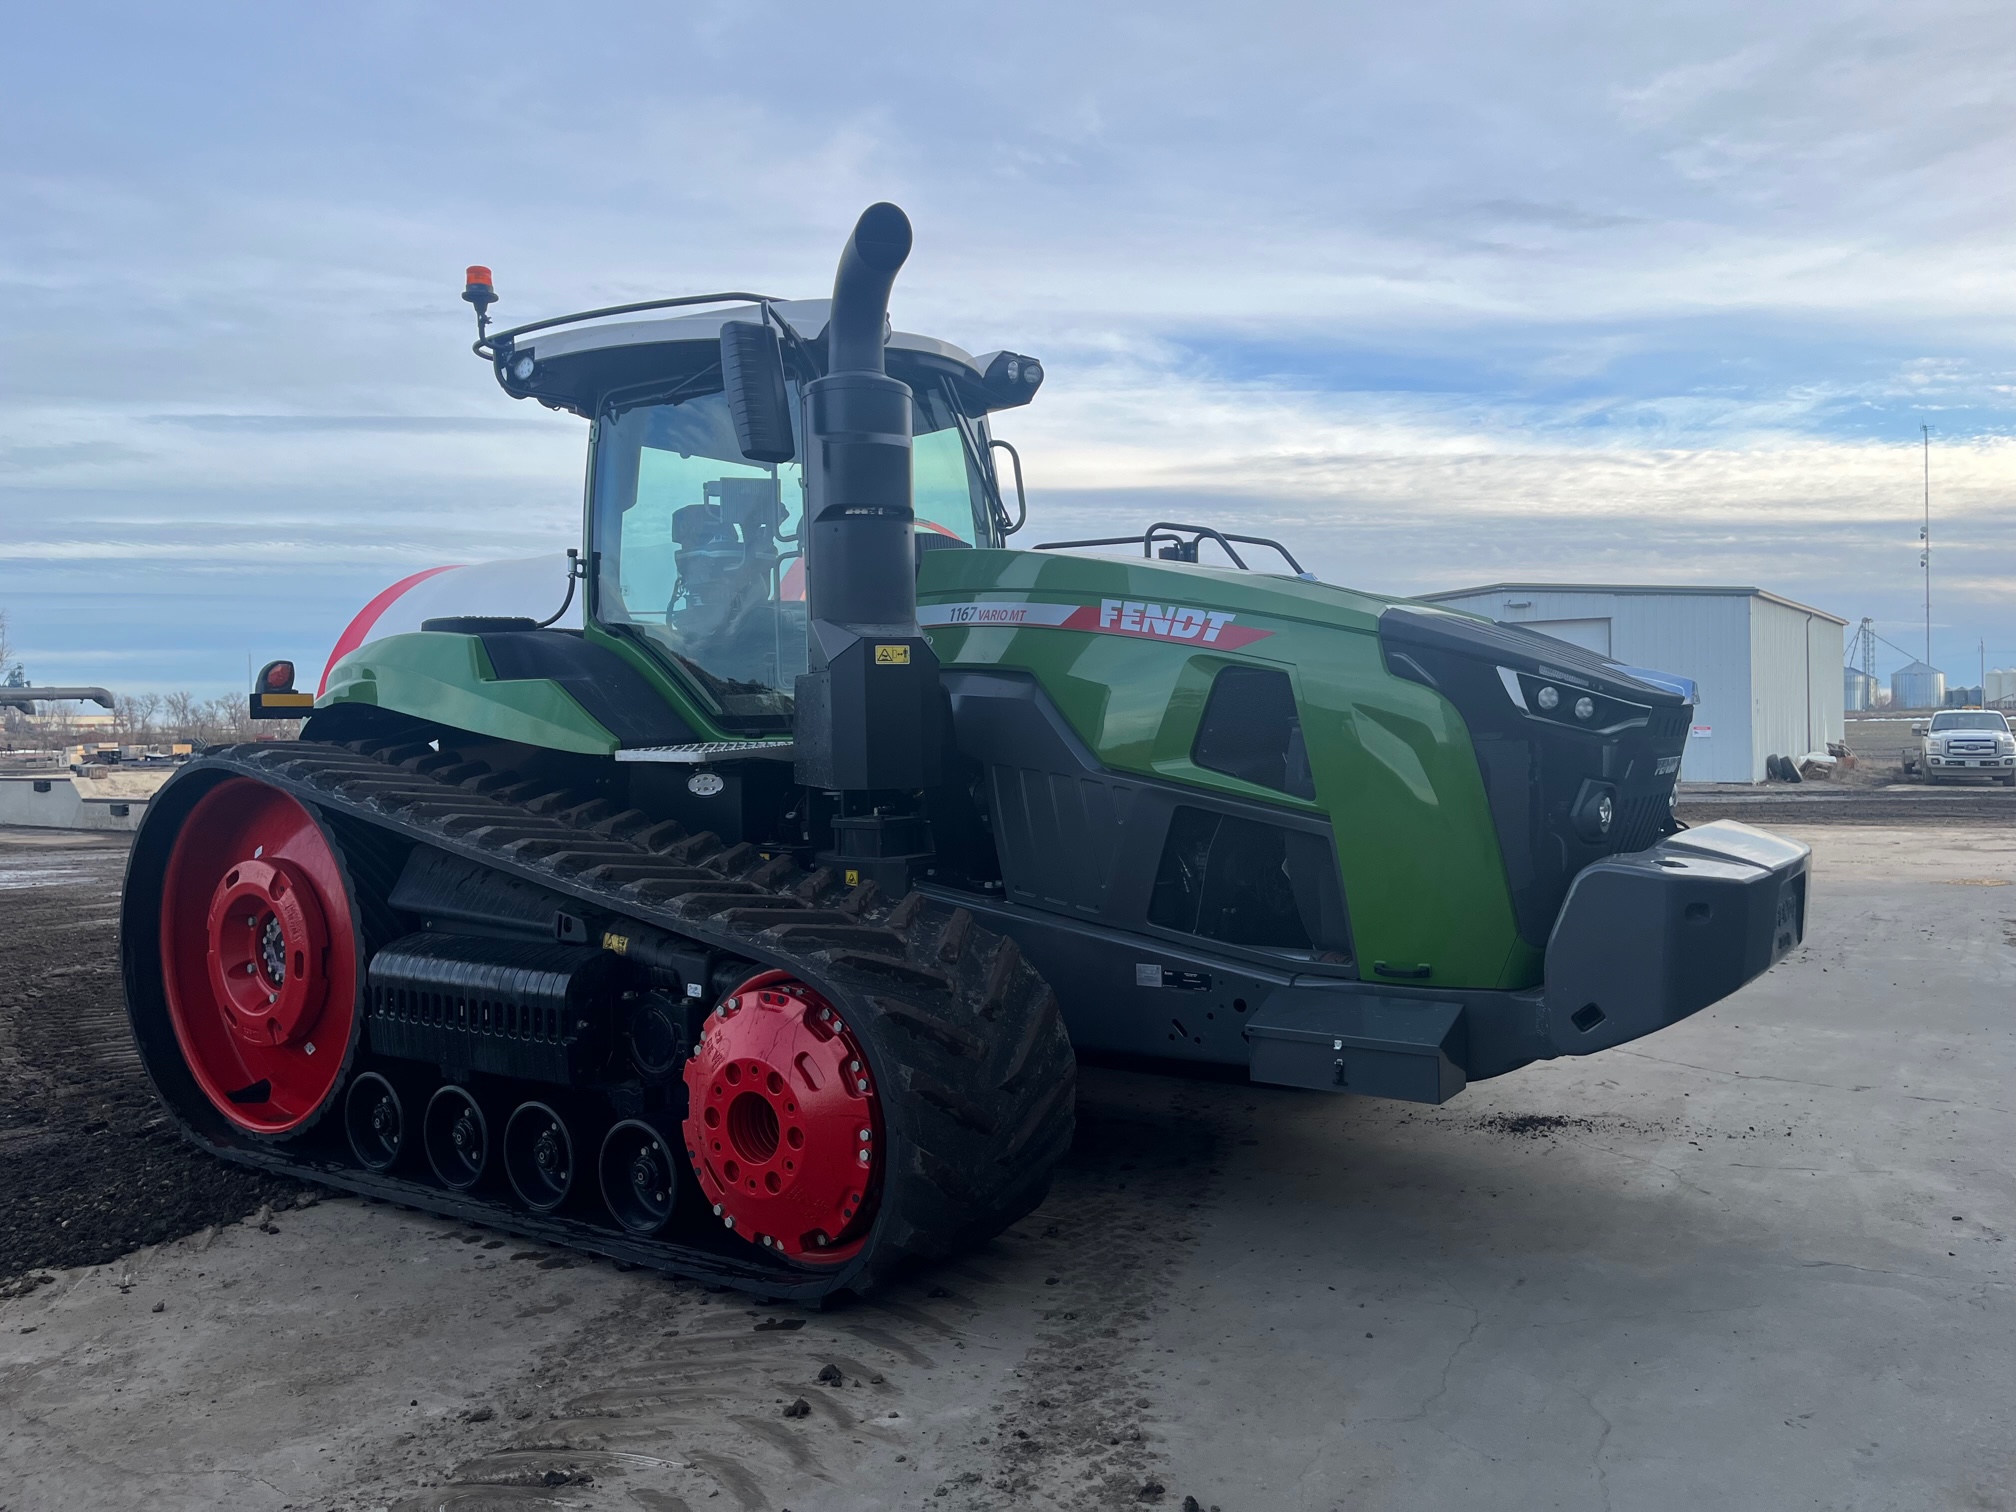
{"points": [[359, 629]]}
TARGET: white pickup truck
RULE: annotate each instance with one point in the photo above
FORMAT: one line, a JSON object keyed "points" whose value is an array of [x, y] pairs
{"points": [[1966, 743]]}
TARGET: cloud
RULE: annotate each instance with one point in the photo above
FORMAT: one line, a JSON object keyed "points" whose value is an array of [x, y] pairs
{"points": [[1469, 286]]}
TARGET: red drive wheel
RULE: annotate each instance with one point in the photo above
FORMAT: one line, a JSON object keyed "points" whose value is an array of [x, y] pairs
{"points": [[784, 1128], [258, 956]]}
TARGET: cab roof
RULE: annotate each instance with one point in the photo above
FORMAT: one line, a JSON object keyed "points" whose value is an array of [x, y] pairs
{"points": [[582, 367]]}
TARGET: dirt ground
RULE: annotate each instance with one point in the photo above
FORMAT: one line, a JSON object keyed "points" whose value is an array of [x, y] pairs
{"points": [[1758, 1260], [89, 1168]]}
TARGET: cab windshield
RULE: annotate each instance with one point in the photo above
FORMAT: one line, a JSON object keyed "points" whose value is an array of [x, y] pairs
{"points": [[1970, 720], [698, 550]]}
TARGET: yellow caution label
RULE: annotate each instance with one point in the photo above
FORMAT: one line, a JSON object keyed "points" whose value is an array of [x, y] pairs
{"points": [[853, 876], [892, 656], [618, 943]]}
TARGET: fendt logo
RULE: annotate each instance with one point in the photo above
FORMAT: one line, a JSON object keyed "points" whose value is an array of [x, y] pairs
{"points": [[1164, 622], [1173, 620]]}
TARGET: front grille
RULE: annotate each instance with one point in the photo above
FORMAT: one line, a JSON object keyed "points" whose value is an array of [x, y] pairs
{"points": [[1641, 821], [1537, 773], [1665, 724]]}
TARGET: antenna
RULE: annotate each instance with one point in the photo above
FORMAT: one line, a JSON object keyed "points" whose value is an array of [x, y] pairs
{"points": [[1925, 543]]}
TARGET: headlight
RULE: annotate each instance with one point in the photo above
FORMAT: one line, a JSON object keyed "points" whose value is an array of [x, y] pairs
{"points": [[1595, 811], [1582, 709], [522, 368]]}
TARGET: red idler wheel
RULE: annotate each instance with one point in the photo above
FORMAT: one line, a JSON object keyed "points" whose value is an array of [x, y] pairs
{"points": [[784, 1127], [258, 956]]}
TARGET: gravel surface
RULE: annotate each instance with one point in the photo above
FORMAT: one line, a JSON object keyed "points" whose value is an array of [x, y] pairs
{"points": [[89, 1166], [1825, 803]]}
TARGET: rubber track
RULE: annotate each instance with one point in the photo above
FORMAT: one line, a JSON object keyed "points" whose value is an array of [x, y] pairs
{"points": [[975, 1068]]}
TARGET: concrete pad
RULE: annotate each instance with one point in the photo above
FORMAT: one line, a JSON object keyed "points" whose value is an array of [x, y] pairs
{"points": [[1759, 1260]]}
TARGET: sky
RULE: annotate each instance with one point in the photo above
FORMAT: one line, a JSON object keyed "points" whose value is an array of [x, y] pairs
{"points": [[1442, 294]]}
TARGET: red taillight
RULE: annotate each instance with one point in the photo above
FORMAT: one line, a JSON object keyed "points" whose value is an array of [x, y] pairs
{"points": [[277, 677]]}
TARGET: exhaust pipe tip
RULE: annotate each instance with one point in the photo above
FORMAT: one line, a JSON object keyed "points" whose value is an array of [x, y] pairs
{"points": [[539, 1156], [456, 1137], [882, 237], [877, 249]]}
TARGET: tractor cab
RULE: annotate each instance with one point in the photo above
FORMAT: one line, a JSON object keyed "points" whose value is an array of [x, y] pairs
{"points": [[696, 551]]}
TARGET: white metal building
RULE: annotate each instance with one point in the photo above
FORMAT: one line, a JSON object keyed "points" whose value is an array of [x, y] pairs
{"points": [[1769, 670]]}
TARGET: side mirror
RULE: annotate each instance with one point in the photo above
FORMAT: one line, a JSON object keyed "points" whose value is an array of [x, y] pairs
{"points": [[1921, 729], [752, 374]]}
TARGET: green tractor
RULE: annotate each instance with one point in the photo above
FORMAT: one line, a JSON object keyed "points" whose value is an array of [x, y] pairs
{"points": [[752, 930]]}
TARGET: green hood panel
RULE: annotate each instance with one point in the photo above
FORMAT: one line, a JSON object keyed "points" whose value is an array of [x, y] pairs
{"points": [[447, 678], [1394, 768]]}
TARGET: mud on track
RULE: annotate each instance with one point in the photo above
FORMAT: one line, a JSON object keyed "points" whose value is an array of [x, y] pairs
{"points": [[89, 1167]]}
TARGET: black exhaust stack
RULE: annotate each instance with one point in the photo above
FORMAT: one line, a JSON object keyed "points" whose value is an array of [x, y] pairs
{"points": [[870, 712]]}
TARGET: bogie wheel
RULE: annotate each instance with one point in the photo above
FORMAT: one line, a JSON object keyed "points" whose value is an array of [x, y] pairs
{"points": [[259, 957], [640, 1177], [456, 1136], [539, 1156], [374, 1118]]}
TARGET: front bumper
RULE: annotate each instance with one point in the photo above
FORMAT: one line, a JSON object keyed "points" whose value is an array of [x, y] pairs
{"points": [[1646, 939], [1642, 941]]}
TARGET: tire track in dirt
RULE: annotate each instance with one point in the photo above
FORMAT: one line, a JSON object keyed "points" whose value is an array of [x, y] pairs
{"points": [[1077, 1430], [1009, 1378], [677, 1397]]}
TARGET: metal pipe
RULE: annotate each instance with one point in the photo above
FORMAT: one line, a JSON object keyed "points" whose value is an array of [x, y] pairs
{"points": [[21, 698], [859, 561], [869, 263], [869, 709]]}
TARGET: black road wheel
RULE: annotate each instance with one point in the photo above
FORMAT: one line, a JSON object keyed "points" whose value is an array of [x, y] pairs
{"points": [[639, 1171], [539, 1156], [457, 1137], [374, 1118]]}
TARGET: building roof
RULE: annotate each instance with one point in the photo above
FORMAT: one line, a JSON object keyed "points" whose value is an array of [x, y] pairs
{"points": [[1652, 589]]}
